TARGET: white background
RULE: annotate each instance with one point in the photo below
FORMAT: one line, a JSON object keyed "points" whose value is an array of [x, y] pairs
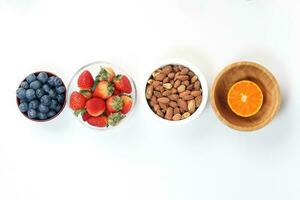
{"points": [[144, 159]]}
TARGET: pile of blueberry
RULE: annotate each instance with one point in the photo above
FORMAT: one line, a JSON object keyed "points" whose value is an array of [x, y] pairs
{"points": [[41, 96]]}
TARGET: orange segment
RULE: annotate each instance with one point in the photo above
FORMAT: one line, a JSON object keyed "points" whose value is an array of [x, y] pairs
{"points": [[245, 98]]}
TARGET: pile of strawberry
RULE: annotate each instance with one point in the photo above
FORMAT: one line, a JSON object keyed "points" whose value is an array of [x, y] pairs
{"points": [[103, 101]]}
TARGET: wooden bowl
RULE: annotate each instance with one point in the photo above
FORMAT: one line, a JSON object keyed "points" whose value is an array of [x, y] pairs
{"points": [[245, 71]]}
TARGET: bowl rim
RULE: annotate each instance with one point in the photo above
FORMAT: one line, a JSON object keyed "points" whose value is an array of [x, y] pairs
{"points": [[134, 90], [62, 107], [217, 112], [204, 87]]}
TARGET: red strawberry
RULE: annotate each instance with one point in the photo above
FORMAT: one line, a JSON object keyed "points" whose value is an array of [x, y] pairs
{"points": [[116, 92], [114, 104], [114, 119], [86, 116], [100, 121], [107, 74], [85, 80], [127, 104], [103, 90], [77, 101], [86, 93], [95, 106], [122, 83]]}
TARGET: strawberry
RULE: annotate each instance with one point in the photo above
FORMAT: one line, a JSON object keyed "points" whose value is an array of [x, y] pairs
{"points": [[100, 121], [103, 90], [116, 92], [114, 118], [86, 93], [122, 84], [86, 116], [106, 73], [85, 80], [77, 101], [95, 106], [127, 104], [114, 104]]}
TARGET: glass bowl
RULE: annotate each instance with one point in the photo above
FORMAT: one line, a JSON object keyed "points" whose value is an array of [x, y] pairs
{"points": [[94, 69]]}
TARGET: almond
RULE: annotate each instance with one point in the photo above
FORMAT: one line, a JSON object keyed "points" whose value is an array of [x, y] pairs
{"points": [[163, 106], [194, 79], [160, 113], [149, 91], [192, 106], [190, 87], [163, 100], [191, 74], [169, 113], [185, 115], [173, 104], [156, 83], [186, 83], [188, 97], [182, 104], [166, 80], [184, 71], [198, 100], [181, 88], [157, 94], [167, 86], [160, 76], [182, 77], [176, 111], [167, 69], [185, 93], [174, 91], [154, 99], [174, 97], [171, 75], [167, 93], [196, 93], [197, 85], [176, 117], [156, 107], [150, 81], [177, 83]]}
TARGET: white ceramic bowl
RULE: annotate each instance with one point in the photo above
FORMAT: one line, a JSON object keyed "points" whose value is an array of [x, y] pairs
{"points": [[94, 69], [202, 80]]}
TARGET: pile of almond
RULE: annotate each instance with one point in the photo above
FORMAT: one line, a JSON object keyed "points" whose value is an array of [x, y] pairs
{"points": [[174, 92]]}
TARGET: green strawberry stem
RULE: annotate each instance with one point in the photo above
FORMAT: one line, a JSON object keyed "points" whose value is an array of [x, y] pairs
{"points": [[79, 111]]}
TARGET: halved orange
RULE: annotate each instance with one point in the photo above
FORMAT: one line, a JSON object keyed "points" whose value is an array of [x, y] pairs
{"points": [[245, 98]]}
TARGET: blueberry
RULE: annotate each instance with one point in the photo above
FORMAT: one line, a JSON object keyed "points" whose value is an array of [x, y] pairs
{"points": [[35, 85], [60, 98], [54, 104], [46, 88], [42, 116], [51, 80], [43, 109], [46, 100], [58, 108], [30, 94], [32, 113], [60, 89], [42, 76], [21, 93], [23, 107], [51, 113], [52, 93], [57, 81], [39, 93], [30, 78], [23, 100], [34, 104], [24, 85]]}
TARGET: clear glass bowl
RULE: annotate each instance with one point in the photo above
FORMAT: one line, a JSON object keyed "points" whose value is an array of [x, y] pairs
{"points": [[94, 69]]}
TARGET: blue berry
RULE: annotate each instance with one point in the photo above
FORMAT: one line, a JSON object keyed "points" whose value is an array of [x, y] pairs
{"points": [[43, 77], [34, 104], [32, 113], [21, 93], [60, 89], [51, 113], [30, 78], [46, 88], [35, 85], [58, 108], [46, 100], [30, 94], [54, 104], [23, 100], [51, 80], [24, 85], [42, 116], [52, 93], [57, 81], [39, 93], [43, 109], [60, 98], [23, 107]]}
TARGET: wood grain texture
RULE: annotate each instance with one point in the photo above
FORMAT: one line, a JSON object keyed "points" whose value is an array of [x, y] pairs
{"points": [[245, 71]]}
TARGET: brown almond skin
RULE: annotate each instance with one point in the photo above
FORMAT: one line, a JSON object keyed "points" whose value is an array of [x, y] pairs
{"points": [[186, 83], [156, 107], [161, 89], [183, 77], [196, 93], [184, 71], [167, 69], [169, 113], [194, 79], [149, 91], [164, 100], [171, 75], [151, 103], [181, 88], [156, 83], [157, 94], [174, 91], [188, 97], [191, 74], [176, 68], [192, 106], [185, 115], [174, 97], [176, 111], [163, 106], [154, 99], [190, 87], [160, 76], [177, 84], [176, 117], [182, 104], [160, 113], [198, 100], [185, 93], [167, 93], [166, 80], [197, 85], [173, 104]]}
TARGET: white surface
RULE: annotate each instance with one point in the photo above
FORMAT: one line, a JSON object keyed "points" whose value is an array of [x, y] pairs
{"points": [[144, 159]]}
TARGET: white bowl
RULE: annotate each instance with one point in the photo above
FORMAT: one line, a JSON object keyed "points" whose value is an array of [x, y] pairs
{"points": [[204, 87]]}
